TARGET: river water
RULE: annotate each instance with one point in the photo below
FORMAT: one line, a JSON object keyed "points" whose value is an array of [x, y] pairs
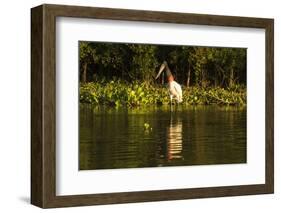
{"points": [[111, 138]]}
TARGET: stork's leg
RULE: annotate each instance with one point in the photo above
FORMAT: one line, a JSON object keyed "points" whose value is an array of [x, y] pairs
{"points": [[177, 99]]}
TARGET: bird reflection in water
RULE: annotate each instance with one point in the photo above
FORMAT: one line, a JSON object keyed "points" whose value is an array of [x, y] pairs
{"points": [[174, 139]]}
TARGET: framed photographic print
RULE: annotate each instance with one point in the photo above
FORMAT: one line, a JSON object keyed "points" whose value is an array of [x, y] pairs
{"points": [[136, 106]]}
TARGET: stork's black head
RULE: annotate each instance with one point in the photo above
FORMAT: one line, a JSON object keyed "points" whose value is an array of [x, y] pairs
{"points": [[165, 66]]}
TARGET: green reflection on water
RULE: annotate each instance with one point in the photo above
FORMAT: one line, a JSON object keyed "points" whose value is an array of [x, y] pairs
{"points": [[197, 135]]}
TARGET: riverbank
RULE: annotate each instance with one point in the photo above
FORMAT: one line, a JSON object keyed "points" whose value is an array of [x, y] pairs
{"points": [[117, 93]]}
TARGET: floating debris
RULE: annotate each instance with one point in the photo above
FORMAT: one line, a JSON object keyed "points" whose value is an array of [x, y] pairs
{"points": [[146, 125]]}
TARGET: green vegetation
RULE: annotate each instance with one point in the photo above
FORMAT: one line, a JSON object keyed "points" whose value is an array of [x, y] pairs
{"points": [[121, 93], [191, 66], [116, 74]]}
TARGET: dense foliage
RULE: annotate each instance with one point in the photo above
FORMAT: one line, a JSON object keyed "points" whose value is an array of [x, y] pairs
{"points": [[191, 66], [120, 93], [118, 74]]}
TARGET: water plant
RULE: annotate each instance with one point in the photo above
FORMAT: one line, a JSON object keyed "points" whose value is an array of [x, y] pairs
{"points": [[121, 93]]}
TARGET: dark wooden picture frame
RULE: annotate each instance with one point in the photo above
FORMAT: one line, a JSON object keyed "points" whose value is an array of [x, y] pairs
{"points": [[43, 105]]}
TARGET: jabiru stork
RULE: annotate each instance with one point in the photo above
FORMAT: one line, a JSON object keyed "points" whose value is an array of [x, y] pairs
{"points": [[174, 88]]}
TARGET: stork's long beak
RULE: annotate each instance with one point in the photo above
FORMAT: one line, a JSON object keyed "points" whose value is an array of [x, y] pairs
{"points": [[160, 70]]}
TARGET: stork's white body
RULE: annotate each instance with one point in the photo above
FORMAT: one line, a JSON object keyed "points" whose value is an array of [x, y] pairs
{"points": [[175, 91]]}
